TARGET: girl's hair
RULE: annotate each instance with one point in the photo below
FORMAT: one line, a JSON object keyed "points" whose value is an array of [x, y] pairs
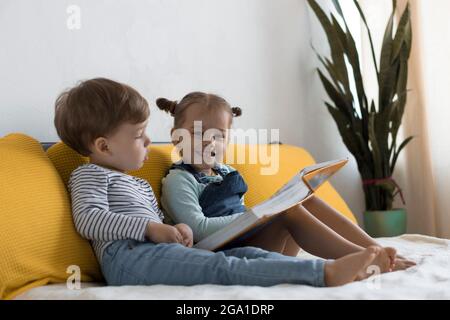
{"points": [[210, 101]]}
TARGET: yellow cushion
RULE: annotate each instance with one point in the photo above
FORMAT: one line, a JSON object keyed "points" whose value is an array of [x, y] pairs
{"points": [[291, 159], [38, 239]]}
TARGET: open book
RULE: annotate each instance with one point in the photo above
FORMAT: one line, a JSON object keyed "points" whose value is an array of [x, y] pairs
{"points": [[297, 190]]}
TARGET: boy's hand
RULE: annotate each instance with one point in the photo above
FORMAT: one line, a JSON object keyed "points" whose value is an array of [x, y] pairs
{"points": [[186, 232], [163, 233]]}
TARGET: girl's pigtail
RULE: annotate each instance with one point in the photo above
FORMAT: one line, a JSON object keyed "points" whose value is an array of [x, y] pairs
{"points": [[167, 105], [237, 112]]}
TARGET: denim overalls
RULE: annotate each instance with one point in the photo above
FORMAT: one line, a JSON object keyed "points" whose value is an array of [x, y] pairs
{"points": [[221, 198]]}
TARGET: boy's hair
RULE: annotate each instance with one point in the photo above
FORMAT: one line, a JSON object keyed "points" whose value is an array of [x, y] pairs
{"points": [[96, 108], [177, 109]]}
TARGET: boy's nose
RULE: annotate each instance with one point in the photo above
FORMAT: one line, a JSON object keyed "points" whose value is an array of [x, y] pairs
{"points": [[147, 141]]}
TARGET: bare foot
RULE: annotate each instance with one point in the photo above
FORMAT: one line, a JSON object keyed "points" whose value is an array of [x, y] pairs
{"points": [[386, 259], [402, 263], [352, 267]]}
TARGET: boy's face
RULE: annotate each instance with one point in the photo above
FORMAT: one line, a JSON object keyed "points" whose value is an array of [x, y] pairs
{"points": [[125, 149], [208, 135]]}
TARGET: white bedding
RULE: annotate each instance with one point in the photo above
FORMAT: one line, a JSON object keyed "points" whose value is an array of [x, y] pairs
{"points": [[430, 279]]}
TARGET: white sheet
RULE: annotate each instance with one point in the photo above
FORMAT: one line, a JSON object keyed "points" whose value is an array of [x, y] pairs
{"points": [[430, 279]]}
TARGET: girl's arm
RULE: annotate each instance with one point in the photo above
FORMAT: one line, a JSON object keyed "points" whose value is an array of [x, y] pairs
{"points": [[91, 214], [180, 194]]}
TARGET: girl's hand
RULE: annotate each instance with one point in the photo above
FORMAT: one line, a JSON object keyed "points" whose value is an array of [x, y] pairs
{"points": [[163, 233], [186, 232]]}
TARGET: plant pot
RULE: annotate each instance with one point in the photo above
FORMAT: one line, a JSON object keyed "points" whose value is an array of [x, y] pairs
{"points": [[389, 223]]}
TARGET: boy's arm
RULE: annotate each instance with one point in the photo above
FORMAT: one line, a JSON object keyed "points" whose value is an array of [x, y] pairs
{"points": [[91, 214], [180, 200]]}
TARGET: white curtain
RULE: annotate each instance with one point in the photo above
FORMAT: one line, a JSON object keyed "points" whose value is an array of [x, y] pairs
{"points": [[424, 168]]}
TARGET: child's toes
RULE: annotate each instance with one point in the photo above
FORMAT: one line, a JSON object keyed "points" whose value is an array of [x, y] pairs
{"points": [[392, 253]]}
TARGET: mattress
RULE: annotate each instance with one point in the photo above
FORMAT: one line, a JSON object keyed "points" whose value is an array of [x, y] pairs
{"points": [[429, 279]]}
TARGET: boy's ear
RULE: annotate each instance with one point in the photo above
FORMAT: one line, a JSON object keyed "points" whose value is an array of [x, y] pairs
{"points": [[100, 145]]}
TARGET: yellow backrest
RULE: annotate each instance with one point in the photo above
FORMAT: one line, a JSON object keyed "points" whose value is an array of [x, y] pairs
{"points": [[290, 160]]}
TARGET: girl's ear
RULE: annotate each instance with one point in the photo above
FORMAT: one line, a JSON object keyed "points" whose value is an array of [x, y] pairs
{"points": [[175, 141]]}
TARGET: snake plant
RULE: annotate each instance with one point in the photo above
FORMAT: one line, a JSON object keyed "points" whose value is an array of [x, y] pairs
{"points": [[368, 129]]}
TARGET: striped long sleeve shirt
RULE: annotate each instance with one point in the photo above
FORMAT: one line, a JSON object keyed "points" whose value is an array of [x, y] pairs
{"points": [[108, 205]]}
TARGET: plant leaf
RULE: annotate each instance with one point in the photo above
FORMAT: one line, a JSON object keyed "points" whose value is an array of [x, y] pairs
{"points": [[338, 7], [403, 145], [337, 51], [347, 134], [363, 17], [329, 67], [387, 71], [352, 55], [333, 94], [374, 145], [402, 30]]}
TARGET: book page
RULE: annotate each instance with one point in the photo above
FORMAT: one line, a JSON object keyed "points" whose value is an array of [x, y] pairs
{"points": [[283, 201], [318, 176], [296, 190], [317, 166]]}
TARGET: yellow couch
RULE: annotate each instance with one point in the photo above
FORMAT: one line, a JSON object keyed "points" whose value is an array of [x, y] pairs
{"points": [[39, 242]]}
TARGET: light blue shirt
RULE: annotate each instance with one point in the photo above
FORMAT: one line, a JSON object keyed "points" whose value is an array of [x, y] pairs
{"points": [[180, 201]]}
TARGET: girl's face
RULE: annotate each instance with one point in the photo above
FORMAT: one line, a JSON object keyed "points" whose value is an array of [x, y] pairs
{"points": [[208, 134], [124, 150]]}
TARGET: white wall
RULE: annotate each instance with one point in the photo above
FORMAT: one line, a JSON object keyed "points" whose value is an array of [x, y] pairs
{"points": [[256, 53]]}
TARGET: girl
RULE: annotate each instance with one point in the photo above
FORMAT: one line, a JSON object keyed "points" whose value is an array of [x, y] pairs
{"points": [[205, 194]]}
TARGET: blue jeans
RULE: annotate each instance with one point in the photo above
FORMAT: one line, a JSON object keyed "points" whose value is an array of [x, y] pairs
{"points": [[130, 262]]}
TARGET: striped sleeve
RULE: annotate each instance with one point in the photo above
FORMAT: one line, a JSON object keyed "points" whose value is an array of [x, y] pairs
{"points": [[90, 209]]}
